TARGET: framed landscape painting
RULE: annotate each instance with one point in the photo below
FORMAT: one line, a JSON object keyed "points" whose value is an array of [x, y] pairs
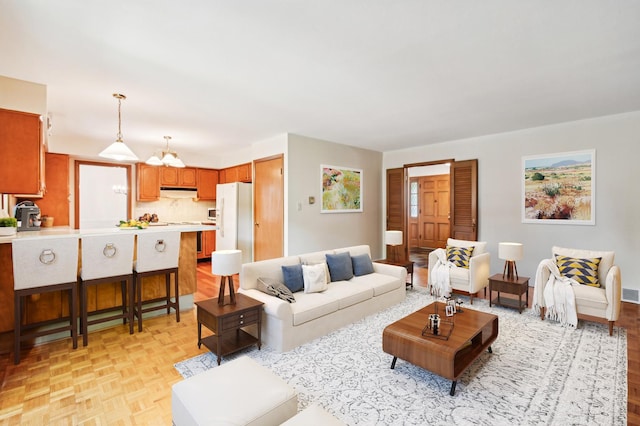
{"points": [[559, 188], [341, 189]]}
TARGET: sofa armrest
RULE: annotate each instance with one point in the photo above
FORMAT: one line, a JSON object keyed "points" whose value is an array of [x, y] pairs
{"points": [[393, 270], [272, 305], [479, 267], [613, 292]]}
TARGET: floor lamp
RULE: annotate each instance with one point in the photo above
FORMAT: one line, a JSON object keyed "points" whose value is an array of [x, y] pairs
{"points": [[393, 239]]}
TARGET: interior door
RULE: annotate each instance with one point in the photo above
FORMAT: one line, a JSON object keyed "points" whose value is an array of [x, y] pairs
{"points": [[464, 200], [396, 205], [268, 190], [434, 211]]}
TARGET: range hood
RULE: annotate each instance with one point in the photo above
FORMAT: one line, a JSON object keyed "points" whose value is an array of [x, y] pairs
{"points": [[171, 192]]}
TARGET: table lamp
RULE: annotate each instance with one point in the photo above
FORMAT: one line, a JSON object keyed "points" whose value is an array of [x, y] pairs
{"points": [[226, 263], [510, 252], [393, 239]]}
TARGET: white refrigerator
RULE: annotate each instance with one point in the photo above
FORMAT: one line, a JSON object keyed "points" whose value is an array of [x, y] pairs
{"points": [[234, 218]]}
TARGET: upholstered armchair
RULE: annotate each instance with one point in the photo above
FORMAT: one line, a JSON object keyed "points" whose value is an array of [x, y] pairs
{"points": [[469, 279], [596, 284]]}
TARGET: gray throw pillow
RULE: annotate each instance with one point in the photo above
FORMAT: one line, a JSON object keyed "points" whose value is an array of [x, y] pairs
{"points": [[362, 264], [275, 288], [340, 267], [293, 277]]}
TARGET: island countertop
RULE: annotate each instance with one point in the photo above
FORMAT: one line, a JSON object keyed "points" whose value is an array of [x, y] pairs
{"points": [[58, 231]]}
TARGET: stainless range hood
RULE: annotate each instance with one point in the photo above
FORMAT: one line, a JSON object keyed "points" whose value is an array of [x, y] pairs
{"points": [[170, 192]]}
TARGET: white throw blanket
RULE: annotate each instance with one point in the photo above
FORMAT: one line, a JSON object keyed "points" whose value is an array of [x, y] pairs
{"points": [[558, 295], [440, 282]]}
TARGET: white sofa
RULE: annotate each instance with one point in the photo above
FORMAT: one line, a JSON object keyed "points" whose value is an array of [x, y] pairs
{"points": [[287, 325]]}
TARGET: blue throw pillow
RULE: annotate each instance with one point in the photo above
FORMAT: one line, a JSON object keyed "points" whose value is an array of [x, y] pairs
{"points": [[362, 264], [293, 277], [340, 267]]}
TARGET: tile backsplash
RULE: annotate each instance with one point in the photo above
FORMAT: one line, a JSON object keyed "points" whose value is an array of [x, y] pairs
{"points": [[175, 209]]}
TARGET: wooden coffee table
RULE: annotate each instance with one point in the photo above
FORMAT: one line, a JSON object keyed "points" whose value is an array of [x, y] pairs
{"points": [[227, 322], [472, 334]]}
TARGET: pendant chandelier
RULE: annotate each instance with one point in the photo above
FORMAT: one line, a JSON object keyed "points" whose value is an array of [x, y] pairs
{"points": [[169, 157], [118, 150]]}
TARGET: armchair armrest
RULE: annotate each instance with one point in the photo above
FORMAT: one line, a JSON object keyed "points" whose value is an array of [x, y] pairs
{"points": [[613, 292], [433, 258], [479, 267]]}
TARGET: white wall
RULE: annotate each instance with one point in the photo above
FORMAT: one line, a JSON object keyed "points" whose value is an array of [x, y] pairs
{"points": [[308, 229], [616, 140]]}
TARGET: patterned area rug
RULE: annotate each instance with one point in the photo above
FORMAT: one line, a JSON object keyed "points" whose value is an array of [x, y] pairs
{"points": [[538, 373]]}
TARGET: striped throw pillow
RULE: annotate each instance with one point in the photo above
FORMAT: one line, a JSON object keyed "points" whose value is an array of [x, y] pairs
{"points": [[584, 271], [459, 256]]}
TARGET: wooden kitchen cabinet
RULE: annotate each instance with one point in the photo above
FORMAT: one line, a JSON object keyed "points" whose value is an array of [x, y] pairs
{"points": [[208, 244], [55, 200], [178, 177], [240, 173], [148, 182], [244, 172], [22, 171], [207, 181]]}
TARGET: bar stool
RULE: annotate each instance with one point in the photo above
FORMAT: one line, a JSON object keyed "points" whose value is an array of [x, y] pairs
{"points": [[157, 253], [226, 263], [106, 258], [44, 265]]}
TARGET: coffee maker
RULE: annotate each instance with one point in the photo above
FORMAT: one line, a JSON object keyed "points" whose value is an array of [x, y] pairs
{"points": [[28, 215]]}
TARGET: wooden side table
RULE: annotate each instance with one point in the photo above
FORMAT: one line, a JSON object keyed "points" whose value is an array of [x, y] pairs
{"points": [[518, 287], [226, 323], [405, 263]]}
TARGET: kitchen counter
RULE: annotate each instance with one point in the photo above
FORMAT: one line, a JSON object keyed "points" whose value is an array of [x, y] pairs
{"points": [[57, 231]]}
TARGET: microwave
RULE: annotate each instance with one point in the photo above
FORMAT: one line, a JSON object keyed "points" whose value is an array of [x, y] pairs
{"points": [[211, 214]]}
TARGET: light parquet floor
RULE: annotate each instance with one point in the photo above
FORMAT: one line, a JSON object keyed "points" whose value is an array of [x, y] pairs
{"points": [[122, 379]]}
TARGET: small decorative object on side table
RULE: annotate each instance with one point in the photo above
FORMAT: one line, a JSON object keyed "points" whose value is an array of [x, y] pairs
{"points": [[511, 285], [407, 264], [226, 322]]}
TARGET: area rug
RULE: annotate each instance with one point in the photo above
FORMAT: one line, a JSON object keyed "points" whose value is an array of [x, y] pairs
{"points": [[538, 373]]}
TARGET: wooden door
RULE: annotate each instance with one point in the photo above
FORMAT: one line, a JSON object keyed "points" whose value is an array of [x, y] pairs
{"points": [[434, 211], [396, 206], [268, 193], [464, 200]]}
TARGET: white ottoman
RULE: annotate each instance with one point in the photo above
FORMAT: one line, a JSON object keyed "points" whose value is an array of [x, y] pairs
{"points": [[313, 415], [239, 392]]}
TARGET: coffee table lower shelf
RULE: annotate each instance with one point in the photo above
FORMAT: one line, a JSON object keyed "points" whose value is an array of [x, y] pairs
{"points": [[230, 342]]}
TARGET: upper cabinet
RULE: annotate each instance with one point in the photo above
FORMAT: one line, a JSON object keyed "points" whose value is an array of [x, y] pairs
{"points": [[207, 181], [178, 177], [22, 171], [240, 173], [244, 172], [148, 182]]}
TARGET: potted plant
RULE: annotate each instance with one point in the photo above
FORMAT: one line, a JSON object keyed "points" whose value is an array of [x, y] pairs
{"points": [[8, 226]]}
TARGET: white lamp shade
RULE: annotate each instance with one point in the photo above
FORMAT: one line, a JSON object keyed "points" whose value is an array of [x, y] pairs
{"points": [[393, 238], [226, 262], [118, 151], [168, 159], [510, 251], [177, 163], [154, 161]]}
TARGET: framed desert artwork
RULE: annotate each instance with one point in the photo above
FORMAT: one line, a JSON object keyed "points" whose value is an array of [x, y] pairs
{"points": [[341, 189], [559, 188]]}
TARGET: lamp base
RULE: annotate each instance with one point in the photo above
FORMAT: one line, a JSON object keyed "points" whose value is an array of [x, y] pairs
{"points": [[510, 270], [232, 294]]}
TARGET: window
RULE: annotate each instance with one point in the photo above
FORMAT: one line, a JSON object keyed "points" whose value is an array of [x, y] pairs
{"points": [[413, 199]]}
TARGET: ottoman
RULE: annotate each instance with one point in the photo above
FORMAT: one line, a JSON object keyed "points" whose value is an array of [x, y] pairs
{"points": [[313, 415], [240, 392]]}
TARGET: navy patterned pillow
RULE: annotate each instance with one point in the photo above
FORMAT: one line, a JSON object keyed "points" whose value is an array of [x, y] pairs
{"points": [[459, 256]]}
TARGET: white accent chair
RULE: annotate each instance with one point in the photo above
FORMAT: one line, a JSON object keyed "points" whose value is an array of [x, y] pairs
{"points": [[466, 281], [600, 304]]}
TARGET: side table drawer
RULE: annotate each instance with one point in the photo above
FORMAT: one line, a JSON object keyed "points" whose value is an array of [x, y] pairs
{"points": [[242, 319]]}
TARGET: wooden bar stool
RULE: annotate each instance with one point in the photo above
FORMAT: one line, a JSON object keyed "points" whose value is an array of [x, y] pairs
{"points": [[106, 258], [44, 265], [157, 253]]}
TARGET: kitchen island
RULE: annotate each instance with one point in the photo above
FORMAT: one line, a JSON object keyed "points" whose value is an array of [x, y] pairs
{"points": [[52, 306]]}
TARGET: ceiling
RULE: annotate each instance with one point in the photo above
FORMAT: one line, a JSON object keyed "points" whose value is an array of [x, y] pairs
{"points": [[382, 75]]}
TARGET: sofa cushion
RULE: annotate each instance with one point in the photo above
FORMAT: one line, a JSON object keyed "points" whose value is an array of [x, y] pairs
{"points": [[310, 306], [591, 297], [275, 288], [349, 293], [293, 277], [583, 271], [314, 278], [459, 256], [340, 267], [380, 283], [362, 265]]}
